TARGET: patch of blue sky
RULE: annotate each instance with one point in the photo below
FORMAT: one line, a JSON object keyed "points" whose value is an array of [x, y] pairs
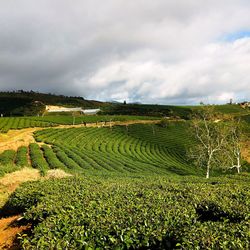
{"points": [[230, 37]]}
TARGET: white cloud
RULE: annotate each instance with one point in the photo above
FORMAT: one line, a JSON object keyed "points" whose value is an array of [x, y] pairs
{"points": [[219, 71], [150, 51]]}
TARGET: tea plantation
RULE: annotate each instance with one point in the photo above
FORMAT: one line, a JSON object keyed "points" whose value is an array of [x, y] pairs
{"points": [[7, 123], [132, 188], [135, 213], [121, 150]]}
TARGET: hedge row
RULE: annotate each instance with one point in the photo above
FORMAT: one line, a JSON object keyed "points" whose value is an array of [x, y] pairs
{"points": [[37, 158], [22, 156], [7, 157], [51, 157]]}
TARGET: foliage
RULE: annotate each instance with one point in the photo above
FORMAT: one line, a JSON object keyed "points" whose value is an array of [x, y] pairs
{"points": [[148, 110], [8, 168], [142, 148], [135, 213], [24, 103], [99, 119], [37, 159], [7, 123], [22, 156], [7, 157]]}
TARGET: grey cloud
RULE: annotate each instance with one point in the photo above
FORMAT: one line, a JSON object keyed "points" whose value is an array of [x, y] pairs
{"points": [[149, 51]]}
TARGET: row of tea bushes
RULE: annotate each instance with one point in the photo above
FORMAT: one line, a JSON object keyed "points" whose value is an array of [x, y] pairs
{"points": [[7, 123], [37, 159]]}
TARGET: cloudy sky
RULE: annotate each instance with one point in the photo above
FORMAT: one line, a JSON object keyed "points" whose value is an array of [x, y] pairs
{"points": [[151, 51]]}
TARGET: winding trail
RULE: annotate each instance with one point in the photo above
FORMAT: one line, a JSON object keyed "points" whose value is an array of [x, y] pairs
{"points": [[9, 228]]}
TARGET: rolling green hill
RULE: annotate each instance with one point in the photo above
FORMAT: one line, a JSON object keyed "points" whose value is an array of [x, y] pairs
{"points": [[132, 188], [24, 103], [148, 110], [134, 149]]}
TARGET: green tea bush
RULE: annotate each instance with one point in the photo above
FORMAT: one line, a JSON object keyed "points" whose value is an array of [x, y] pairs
{"points": [[9, 168], [7, 123], [37, 159], [51, 158], [7, 157], [67, 161], [135, 213], [22, 156]]}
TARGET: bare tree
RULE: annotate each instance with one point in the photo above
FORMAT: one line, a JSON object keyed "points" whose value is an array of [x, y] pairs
{"points": [[210, 133], [233, 146]]}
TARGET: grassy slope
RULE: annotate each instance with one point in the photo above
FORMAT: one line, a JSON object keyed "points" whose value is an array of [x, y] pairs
{"points": [[162, 208], [32, 103], [135, 149], [148, 110]]}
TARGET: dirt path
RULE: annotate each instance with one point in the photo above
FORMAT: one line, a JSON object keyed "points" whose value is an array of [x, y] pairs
{"points": [[8, 232], [8, 184], [23, 137], [16, 138], [108, 124]]}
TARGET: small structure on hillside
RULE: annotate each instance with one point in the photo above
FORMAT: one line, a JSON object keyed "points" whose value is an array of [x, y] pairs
{"points": [[56, 109], [245, 104], [90, 111]]}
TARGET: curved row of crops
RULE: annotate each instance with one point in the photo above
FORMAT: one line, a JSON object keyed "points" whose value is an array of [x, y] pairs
{"points": [[10, 160], [134, 149], [125, 149], [7, 123]]}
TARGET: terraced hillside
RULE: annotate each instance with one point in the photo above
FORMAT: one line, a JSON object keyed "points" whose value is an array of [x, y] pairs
{"points": [[7, 123], [136, 148], [138, 194], [132, 149]]}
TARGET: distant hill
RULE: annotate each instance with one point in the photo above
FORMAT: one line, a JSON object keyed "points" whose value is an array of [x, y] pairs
{"points": [[148, 110], [26, 103], [30, 103]]}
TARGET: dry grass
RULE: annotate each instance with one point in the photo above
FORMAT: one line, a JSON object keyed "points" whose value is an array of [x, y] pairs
{"points": [[16, 138], [8, 184], [8, 232], [56, 173], [11, 181], [246, 151]]}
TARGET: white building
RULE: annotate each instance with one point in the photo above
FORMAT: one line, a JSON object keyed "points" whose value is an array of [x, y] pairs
{"points": [[55, 109]]}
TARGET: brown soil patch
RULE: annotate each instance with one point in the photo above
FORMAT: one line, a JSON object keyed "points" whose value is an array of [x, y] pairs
{"points": [[11, 181], [8, 232], [8, 184], [16, 138], [23, 137]]}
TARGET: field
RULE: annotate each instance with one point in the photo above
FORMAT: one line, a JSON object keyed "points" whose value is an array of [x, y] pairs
{"points": [[133, 187], [135, 213], [7, 123], [121, 149]]}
